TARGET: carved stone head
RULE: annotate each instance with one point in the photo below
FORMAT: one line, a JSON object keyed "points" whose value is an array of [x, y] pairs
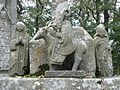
{"points": [[20, 26], [60, 13], [100, 30]]}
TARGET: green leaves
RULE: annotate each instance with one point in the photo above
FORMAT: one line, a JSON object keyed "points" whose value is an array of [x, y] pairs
{"points": [[36, 16]]}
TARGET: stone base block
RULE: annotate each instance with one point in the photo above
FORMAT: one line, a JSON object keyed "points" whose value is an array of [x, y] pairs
{"points": [[65, 74], [7, 83]]}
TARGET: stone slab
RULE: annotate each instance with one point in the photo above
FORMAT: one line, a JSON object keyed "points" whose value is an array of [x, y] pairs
{"points": [[49, 84], [8, 83], [4, 73], [65, 74], [111, 83]]}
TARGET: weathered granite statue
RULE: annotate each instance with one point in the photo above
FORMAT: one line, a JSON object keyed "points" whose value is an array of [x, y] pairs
{"points": [[38, 55], [19, 64], [68, 42], [103, 52], [88, 63], [65, 42]]}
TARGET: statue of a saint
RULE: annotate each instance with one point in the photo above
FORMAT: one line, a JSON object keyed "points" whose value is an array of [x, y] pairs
{"points": [[19, 64], [103, 52]]}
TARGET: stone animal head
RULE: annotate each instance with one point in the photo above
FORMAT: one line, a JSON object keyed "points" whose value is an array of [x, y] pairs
{"points": [[40, 34]]}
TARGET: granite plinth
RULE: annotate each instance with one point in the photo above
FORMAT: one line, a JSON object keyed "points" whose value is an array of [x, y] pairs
{"points": [[19, 83], [65, 74]]}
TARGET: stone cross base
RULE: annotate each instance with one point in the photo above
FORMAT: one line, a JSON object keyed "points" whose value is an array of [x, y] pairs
{"points": [[7, 83], [65, 74]]}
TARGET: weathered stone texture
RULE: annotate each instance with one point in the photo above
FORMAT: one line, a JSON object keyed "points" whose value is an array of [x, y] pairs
{"points": [[111, 83], [71, 84], [65, 74], [7, 25], [17, 83], [4, 49], [49, 84], [37, 55], [60, 83]]}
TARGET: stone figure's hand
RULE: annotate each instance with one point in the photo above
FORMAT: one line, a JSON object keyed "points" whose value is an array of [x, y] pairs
{"points": [[20, 41], [14, 41], [61, 41], [58, 35]]}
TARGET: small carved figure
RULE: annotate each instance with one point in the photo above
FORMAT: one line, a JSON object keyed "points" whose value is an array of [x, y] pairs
{"points": [[103, 52], [19, 64], [63, 45]]}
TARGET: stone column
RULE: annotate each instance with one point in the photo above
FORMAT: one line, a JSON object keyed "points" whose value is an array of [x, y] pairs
{"points": [[8, 16]]}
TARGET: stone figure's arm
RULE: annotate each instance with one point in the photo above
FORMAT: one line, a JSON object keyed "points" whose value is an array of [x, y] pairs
{"points": [[61, 38], [13, 45], [52, 34], [19, 41]]}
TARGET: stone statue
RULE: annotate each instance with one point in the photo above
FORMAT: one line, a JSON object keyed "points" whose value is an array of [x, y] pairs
{"points": [[64, 42], [103, 52], [83, 42], [19, 64], [88, 63]]}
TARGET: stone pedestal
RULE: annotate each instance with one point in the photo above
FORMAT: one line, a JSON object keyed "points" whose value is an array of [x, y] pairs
{"points": [[59, 83], [65, 74], [49, 84]]}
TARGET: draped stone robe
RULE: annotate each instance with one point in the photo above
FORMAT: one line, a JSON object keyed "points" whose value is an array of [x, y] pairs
{"points": [[63, 44], [103, 53], [19, 63]]}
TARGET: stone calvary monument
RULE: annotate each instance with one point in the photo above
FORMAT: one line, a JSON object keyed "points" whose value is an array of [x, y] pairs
{"points": [[64, 41], [70, 51]]}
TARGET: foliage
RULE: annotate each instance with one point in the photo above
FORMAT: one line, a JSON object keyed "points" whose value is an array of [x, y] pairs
{"points": [[36, 16]]}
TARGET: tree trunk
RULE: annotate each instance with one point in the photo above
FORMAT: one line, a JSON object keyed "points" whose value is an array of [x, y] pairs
{"points": [[106, 14], [97, 11], [37, 16]]}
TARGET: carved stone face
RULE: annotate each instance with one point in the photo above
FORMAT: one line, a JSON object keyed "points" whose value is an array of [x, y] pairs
{"points": [[20, 26], [100, 30], [57, 22]]}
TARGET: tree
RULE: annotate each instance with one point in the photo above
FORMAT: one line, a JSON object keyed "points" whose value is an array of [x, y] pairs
{"points": [[35, 15]]}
